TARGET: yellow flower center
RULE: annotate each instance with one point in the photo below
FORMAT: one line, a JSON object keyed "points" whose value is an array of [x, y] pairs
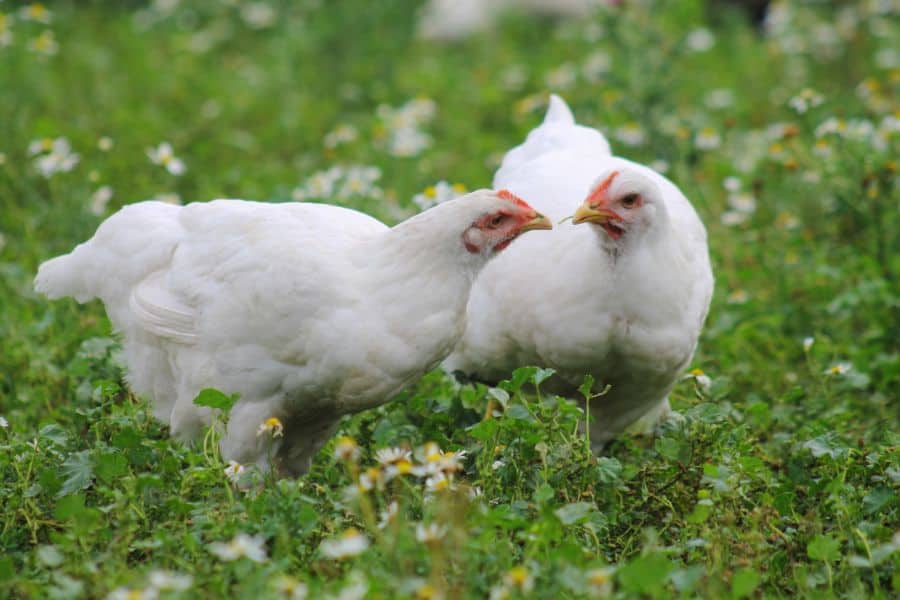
{"points": [[37, 11], [518, 576]]}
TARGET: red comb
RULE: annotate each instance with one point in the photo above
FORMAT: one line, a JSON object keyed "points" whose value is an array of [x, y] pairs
{"points": [[600, 190], [508, 195]]}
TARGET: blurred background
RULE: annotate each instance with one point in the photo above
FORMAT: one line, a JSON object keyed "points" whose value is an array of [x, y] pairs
{"points": [[778, 120]]}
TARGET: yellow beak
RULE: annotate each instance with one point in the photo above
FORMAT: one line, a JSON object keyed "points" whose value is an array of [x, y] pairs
{"points": [[589, 214], [538, 222]]}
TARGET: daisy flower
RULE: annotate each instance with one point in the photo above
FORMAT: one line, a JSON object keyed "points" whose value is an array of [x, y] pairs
{"points": [[234, 471], [346, 449], [164, 156], [350, 543], [273, 426], [241, 546]]}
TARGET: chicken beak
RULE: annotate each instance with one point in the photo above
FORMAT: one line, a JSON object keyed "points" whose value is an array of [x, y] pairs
{"points": [[538, 222], [592, 214]]}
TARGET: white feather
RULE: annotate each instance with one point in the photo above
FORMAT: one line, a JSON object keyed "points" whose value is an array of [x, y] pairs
{"points": [[562, 300], [307, 311]]}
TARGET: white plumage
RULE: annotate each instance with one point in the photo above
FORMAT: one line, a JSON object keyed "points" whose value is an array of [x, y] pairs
{"points": [[455, 19], [621, 299], [308, 311]]}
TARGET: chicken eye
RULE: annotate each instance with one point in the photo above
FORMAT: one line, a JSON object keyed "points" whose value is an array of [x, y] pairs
{"points": [[630, 200], [496, 221]]}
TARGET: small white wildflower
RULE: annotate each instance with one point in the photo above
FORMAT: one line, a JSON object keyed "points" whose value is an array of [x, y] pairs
{"points": [[350, 543], [272, 426], [258, 15], [36, 12], [707, 139], [497, 464], [59, 159], [730, 218], [600, 582], [561, 78], [321, 183], [44, 44], [596, 66], [357, 590], [370, 478], [124, 593], [406, 142], [806, 100], [420, 109], [105, 144], [402, 467], [719, 98], [700, 40], [630, 134], [519, 578], [290, 587], [889, 125], [341, 134], [437, 482], [170, 581], [234, 471], [786, 220], [702, 379], [808, 342], [822, 148], [431, 533], [500, 592], [359, 181], [346, 449], [389, 515], [99, 200], [742, 202], [841, 368], [732, 184], [451, 462], [3, 422], [829, 126], [887, 58], [389, 456], [242, 546], [164, 156], [437, 194]]}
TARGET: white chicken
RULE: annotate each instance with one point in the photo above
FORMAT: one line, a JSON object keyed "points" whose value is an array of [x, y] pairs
{"points": [[307, 311], [622, 298], [456, 19]]}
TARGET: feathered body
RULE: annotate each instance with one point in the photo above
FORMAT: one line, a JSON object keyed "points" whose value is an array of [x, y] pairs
{"points": [[308, 311], [628, 312]]}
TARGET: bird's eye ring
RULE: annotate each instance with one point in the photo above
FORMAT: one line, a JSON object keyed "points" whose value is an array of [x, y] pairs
{"points": [[496, 221], [630, 200]]}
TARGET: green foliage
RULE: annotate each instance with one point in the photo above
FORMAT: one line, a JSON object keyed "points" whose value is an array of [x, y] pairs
{"points": [[780, 480]]}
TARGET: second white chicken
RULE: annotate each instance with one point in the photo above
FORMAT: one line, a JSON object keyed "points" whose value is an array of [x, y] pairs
{"points": [[620, 293]]}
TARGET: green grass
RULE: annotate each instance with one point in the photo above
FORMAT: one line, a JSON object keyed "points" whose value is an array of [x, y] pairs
{"points": [[782, 480]]}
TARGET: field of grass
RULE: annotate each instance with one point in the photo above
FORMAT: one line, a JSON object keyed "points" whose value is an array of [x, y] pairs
{"points": [[782, 480]]}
